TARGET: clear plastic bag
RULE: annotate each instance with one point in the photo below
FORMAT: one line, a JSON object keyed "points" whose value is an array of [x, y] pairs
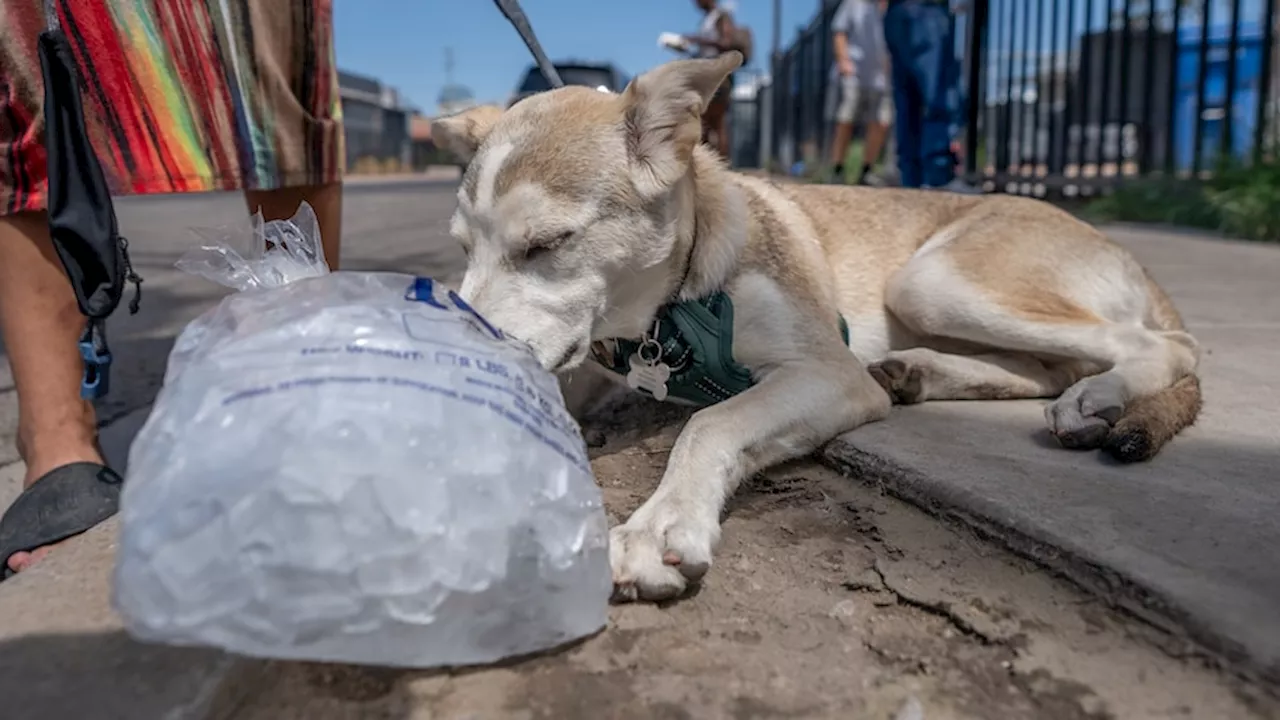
{"points": [[355, 467], [254, 255]]}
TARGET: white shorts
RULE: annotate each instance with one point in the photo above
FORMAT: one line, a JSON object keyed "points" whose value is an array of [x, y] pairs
{"points": [[850, 102]]}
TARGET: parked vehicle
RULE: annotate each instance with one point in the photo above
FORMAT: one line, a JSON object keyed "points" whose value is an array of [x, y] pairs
{"points": [[605, 77]]}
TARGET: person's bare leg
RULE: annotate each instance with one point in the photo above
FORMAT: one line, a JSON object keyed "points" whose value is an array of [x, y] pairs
{"points": [[326, 200], [41, 324], [843, 135], [873, 143]]}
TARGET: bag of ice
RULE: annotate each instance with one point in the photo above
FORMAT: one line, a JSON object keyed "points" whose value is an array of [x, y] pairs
{"points": [[355, 467]]}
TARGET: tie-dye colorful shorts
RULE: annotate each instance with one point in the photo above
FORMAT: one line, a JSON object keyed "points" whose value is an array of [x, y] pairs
{"points": [[179, 95]]}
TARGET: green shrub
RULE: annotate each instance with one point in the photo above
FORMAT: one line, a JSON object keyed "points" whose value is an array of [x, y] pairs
{"points": [[1238, 200]]}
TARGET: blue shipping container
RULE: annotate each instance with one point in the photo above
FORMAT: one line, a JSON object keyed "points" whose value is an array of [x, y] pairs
{"points": [[1241, 111]]}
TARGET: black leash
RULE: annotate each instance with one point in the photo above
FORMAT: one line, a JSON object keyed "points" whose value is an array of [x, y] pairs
{"points": [[515, 16]]}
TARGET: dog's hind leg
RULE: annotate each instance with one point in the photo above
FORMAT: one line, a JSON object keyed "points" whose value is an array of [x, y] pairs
{"points": [[790, 412], [919, 374], [1106, 317]]}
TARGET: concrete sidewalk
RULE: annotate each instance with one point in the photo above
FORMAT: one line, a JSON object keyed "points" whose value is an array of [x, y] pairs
{"points": [[1188, 541]]}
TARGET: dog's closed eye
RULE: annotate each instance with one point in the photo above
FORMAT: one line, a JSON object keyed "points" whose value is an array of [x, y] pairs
{"points": [[539, 247]]}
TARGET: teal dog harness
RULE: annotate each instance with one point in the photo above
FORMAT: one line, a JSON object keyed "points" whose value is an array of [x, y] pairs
{"points": [[688, 357]]}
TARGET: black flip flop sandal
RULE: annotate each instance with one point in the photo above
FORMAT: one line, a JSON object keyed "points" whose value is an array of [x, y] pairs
{"points": [[64, 503]]}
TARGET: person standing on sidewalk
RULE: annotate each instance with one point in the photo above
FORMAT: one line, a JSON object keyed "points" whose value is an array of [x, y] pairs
{"points": [[926, 73], [716, 34], [191, 96], [859, 85]]}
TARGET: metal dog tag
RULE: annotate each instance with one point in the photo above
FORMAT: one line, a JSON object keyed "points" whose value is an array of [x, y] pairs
{"points": [[650, 374]]}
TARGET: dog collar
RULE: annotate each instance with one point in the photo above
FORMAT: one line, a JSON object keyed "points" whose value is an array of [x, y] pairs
{"points": [[689, 356]]}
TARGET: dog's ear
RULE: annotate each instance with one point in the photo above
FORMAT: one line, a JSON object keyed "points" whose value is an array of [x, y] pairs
{"points": [[463, 133], [664, 117]]}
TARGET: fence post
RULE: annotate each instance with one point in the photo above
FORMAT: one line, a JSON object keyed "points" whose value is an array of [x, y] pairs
{"points": [[1146, 153], [1226, 146], [1202, 79], [974, 96], [826, 58], [764, 121], [1175, 55], [1264, 126], [799, 98], [784, 129]]}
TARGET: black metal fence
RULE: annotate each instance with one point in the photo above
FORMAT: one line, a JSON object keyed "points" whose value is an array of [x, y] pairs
{"points": [[796, 100], [1068, 96]]}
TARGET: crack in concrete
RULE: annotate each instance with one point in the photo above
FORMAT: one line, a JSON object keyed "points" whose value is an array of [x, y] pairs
{"points": [[937, 608], [876, 581]]}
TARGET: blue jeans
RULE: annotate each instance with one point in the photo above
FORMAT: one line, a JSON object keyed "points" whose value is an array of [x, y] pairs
{"points": [[921, 44]]}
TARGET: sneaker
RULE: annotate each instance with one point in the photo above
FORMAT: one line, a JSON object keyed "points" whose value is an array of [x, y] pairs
{"points": [[885, 177], [872, 179], [958, 186]]}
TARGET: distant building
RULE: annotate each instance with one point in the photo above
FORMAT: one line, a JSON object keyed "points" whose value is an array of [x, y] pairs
{"points": [[384, 134], [454, 99], [377, 124], [424, 150]]}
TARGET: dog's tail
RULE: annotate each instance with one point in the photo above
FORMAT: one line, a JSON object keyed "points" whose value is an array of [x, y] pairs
{"points": [[1151, 421]]}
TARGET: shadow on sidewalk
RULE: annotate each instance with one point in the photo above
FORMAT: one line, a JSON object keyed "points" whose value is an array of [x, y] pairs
{"points": [[104, 676]]}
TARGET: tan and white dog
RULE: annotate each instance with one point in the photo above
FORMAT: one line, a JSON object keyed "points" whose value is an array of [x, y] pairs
{"points": [[583, 214]]}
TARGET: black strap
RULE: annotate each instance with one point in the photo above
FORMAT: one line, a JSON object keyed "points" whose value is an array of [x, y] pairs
{"points": [[82, 219]]}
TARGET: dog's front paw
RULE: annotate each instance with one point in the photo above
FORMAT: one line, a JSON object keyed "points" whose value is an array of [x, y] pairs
{"points": [[656, 560]]}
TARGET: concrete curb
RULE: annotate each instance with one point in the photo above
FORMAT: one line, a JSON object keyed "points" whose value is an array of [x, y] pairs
{"points": [[944, 499], [939, 498]]}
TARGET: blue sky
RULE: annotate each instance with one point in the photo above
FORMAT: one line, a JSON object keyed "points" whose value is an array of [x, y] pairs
{"points": [[402, 42]]}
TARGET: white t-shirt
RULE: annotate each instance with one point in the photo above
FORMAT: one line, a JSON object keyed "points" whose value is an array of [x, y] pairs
{"points": [[862, 24], [709, 30]]}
